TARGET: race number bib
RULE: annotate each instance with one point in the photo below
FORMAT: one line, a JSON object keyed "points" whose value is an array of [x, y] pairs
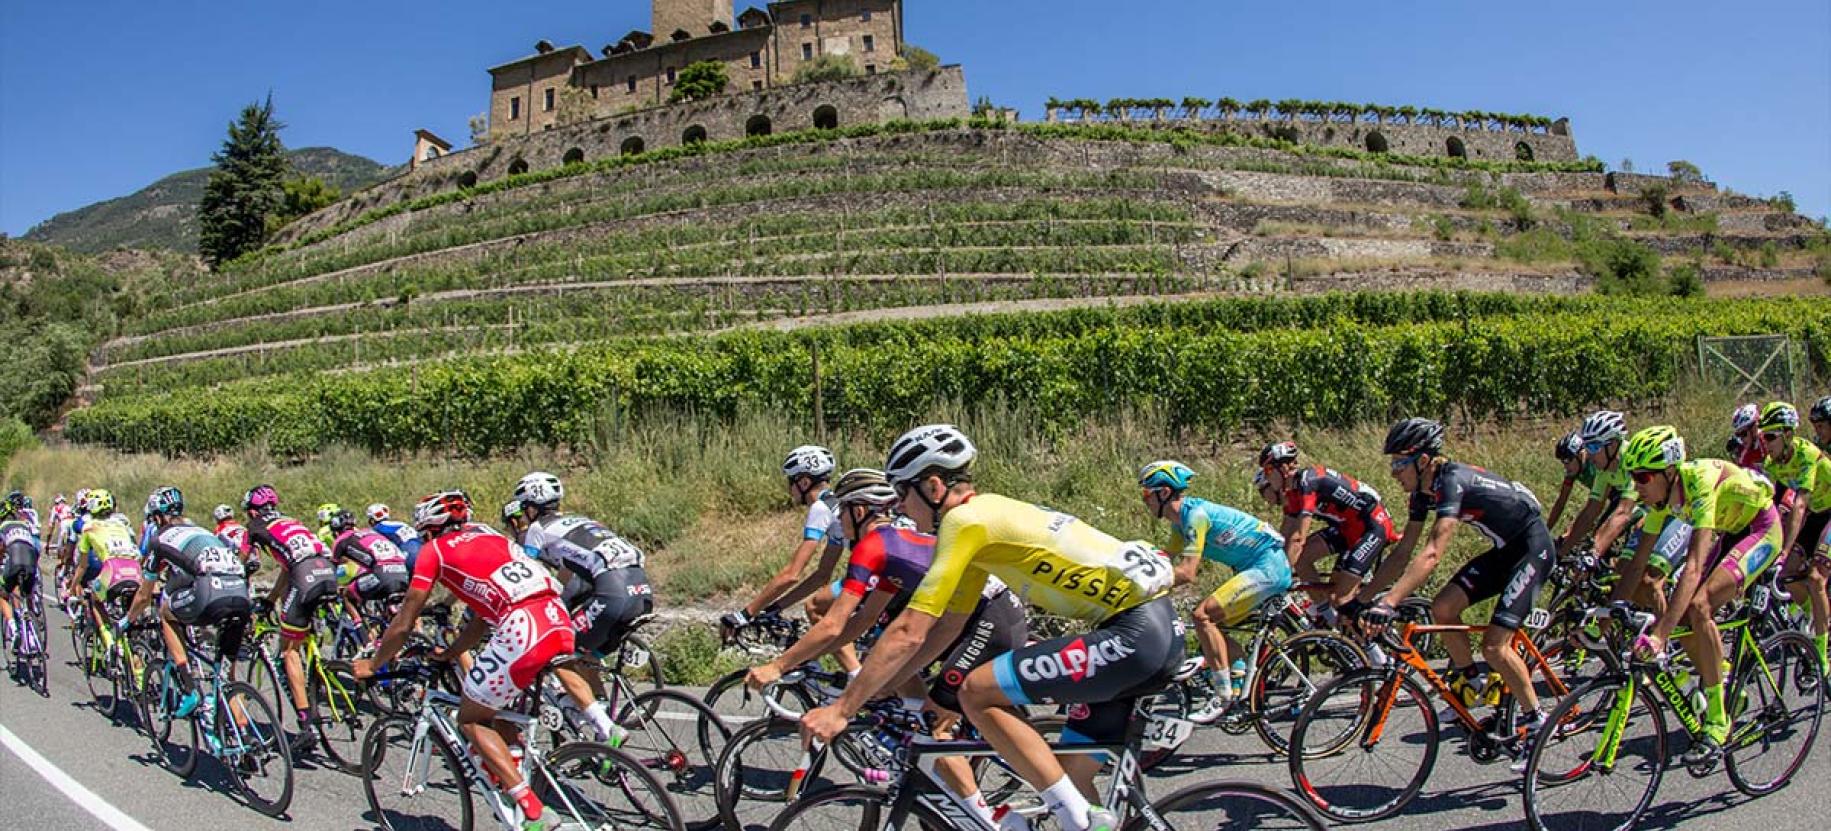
{"points": [[519, 580], [1165, 732], [218, 561], [122, 549], [1148, 570], [618, 553], [301, 547]]}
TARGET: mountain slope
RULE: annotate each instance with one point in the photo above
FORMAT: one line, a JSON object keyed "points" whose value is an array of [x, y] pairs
{"points": [[164, 213]]}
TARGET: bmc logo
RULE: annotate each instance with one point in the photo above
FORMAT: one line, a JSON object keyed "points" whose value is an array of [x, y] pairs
{"points": [[1076, 660]]}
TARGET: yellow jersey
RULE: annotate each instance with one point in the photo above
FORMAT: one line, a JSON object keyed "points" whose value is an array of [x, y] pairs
{"points": [[107, 539], [1052, 560]]}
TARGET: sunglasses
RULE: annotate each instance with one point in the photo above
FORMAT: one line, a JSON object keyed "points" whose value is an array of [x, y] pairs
{"points": [[1770, 437], [1642, 477], [1405, 461]]}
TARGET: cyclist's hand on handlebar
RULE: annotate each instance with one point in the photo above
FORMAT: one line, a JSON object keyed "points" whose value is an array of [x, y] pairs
{"points": [[731, 622], [1649, 646], [263, 607], [442, 655], [364, 668], [821, 724], [1377, 617], [763, 675]]}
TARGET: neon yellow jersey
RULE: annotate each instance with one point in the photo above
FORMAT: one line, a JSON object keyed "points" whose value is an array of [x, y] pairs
{"points": [[1719, 495], [1808, 473], [1616, 480], [107, 539], [1052, 560]]}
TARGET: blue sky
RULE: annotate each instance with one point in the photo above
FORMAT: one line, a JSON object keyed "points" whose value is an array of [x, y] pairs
{"points": [[101, 97]]}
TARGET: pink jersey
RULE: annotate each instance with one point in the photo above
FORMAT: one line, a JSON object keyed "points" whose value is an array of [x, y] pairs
{"points": [[485, 570], [288, 540]]}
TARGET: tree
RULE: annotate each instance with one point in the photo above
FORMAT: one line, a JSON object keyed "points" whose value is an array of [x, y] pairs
{"points": [[302, 195], [1684, 172], [699, 81], [826, 68], [480, 128], [247, 185], [920, 59]]}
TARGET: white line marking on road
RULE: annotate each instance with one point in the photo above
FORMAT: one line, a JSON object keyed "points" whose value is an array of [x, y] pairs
{"points": [[84, 798]]}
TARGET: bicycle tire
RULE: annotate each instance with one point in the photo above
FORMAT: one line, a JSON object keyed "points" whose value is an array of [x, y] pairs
{"points": [[269, 748], [1237, 796], [664, 740], [336, 712], [874, 802], [156, 714], [1791, 656], [1358, 690], [377, 750], [760, 781], [96, 672], [620, 773], [1274, 709], [1539, 784]]}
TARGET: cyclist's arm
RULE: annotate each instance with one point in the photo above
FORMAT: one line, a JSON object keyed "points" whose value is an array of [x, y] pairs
{"points": [[1689, 582], [1795, 520], [820, 578], [779, 584], [1635, 570], [823, 637], [1296, 532], [1583, 524], [896, 652], [401, 626], [473, 633], [143, 597], [1615, 525], [279, 586], [1421, 566], [1557, 508], [1394, 564], [1186, 549]]}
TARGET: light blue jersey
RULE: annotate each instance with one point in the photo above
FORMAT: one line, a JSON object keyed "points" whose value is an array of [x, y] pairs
{"points": [[1228, 536]]}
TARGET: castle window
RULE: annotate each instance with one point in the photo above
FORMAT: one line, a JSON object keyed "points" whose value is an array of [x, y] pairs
{"points": [[865, 16], [549, 99], [756, 60], [1522, 151], [594, 92], [1456, 148], [870, 43], [758, 125], [515, 108], [670, 74], [807, 51], [807, 21], [693, 135], [756, 85], [632, 145], [826, 117], [632, 83], [870, 69]]}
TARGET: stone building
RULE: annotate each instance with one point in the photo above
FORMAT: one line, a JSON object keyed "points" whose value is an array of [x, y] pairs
{"points": [[760, 48]]}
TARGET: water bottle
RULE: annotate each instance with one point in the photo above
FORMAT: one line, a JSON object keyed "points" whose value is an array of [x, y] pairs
{"points": [[1238, 674]]}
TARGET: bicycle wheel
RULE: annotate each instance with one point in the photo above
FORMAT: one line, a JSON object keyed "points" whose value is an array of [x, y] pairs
{"points": [[1358, 758], [1599, 760], [1288, 675], [1231, 805], [339, 714], [254, 749], [1775, 708], [175, 739], [261, 670], [998, 782], [848, 808], [96, 672], [753, 774], [665, 736], [136, 655], [413, 787], [1174, 701], [591, 785], [738, 705]]}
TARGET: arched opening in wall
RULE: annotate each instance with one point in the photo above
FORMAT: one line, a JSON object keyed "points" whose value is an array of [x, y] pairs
{"points": [[693, 135], [758, 125], [632, 145], [518, 166], [1376, 142], [893, 108], [572, 157], [1456, 148], [1522, 151], [826, 117], [468, 179]]}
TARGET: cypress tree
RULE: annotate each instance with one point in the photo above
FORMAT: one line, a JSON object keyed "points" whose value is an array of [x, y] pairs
{"points": [[247, 185]]}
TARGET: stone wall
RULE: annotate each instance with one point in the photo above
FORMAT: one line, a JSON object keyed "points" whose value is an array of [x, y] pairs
{"points": [[1555, 145]]}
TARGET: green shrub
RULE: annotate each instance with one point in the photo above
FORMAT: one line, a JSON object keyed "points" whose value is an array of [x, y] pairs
{"points": [[1770, 254], [1656, 196], [1442, 227], [1685, 281], [827, 68], [1622, 267], [14, 437]]}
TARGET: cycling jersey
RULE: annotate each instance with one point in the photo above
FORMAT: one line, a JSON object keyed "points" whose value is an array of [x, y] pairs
{"points": [[286, 539], [579, 545], [381, 568], [1609, 486], [485, 570], [113, 558], [1807, 474], [1228, 536], [823, 519], [1500, 509], [1750, 452], [19, 550], [1720, 496], [1328, 495], [888, 559], [1053, 561], [184, 553], [233, 533]]}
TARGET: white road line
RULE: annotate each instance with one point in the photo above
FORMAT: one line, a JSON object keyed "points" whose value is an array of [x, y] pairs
{"points": [[83, 797]]}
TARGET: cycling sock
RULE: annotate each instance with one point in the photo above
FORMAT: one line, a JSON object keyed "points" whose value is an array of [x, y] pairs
{"points": [[531, 808], [1714, 716], [974, 802], [600, 719], [1066, 803], [1821, 641], [913, 703]]}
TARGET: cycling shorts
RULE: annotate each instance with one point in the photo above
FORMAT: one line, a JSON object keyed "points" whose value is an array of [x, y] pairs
{"points": [[1248, 590], [998, 626], [526, 640], [116, 578], [209, 600], [19, 570], [1747, 554], [603, 618], [313, 583], [378, 586], [1358, 541], [1512, 572], [1101, 674], [1813, 548]]}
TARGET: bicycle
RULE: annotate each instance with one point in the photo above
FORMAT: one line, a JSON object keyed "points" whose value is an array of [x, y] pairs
{"points": [[1347, 735], [30, 653], [765, 636], [917, 793], [421, 772], [334, 700], [1614, 728], [231, 722], [111, 667]]}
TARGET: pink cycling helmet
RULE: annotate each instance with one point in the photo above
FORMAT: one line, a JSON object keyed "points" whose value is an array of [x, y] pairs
{"points": [[261, 498]]}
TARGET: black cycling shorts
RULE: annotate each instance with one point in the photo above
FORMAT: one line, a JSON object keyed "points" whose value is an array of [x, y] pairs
{"points": [[208, 600], [20, 569], [998, 626], [1358, 556], [619, 597], [1101, 673], [1512, 572], [378, 586], [313, 583]]}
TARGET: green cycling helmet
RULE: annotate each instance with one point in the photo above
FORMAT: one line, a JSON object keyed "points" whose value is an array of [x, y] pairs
{"points": [[1779, 414], [1166, 474], [1655, 448]]}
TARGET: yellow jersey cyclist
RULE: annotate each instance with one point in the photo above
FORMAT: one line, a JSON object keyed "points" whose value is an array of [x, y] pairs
{"points": [[1797, 465], [1508, 515], [1058, 564], [1720, 520], [1240, 541], [106, 543]]}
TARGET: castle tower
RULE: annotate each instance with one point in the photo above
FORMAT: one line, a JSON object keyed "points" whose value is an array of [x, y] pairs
{"points": [[695, 16]]}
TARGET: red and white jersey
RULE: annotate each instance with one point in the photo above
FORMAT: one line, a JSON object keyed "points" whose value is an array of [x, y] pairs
{"points": [[486, 570]]}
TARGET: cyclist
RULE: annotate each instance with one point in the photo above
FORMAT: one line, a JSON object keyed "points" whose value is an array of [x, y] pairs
{"points": [[381, 574], [512, 595], [1210, 531], [1507, 514], [1569, 452], [204, 582], [307, 581], [808, 468], [1721, 517], [1799, 466], [1056, 563], [608, 590], [19, 551], [233, 533], [105, 545], [325, 512], [1821, 423], [1610, 509], [22, 507], [400, 532], [1356, 527], [1744, 446]]}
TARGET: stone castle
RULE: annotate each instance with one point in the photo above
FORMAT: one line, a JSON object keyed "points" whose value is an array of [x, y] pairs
{"points": [[761, 50]]}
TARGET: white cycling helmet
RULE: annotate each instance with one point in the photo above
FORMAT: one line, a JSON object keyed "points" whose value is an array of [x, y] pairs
{"points": [[540, 490], [222, 513], [1602, 426], [935, 446], [809, 460], [376, 513], [1744, 417]]}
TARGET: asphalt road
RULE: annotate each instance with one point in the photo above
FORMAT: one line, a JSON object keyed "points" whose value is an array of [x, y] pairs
{"points": [[63, 765]]}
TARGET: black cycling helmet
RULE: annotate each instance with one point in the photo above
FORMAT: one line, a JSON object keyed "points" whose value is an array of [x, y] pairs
{"points": [[1413, 436], [1568, 447], [1821, 411], [342, 521]]}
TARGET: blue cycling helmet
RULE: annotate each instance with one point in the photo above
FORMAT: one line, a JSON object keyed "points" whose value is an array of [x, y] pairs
{"points": [[1166, 474], [166, 501]]}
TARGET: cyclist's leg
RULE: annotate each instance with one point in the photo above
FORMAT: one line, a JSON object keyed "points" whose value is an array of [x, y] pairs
{"points": [[1320, 544], [1535, 552], [1807, 565], [1481, 578], [526, 640], [818, 604], [1360, 558], [998, 626], [1230, 605]]}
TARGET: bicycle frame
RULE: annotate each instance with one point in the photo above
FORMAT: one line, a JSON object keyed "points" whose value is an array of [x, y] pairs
{"points": [[1661, 679], [433, 719], [1410, 657]]}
